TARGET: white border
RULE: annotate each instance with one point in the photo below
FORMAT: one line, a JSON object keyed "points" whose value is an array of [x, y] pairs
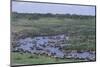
{"points": [[5, 33], [88, 2]]}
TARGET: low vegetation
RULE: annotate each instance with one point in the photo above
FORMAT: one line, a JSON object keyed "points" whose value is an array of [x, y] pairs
{"points": [[80, 29], [37, 59]]}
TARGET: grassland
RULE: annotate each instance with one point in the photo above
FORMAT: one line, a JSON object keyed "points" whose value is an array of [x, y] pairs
{"points": [[24, 59], [81, 33]]}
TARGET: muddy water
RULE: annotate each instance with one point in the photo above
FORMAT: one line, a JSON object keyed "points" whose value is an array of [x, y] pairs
{"points": [[50, 45]]}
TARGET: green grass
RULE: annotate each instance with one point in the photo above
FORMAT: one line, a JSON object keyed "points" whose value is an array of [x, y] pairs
{"points": [[64, 25], [26, 58], [81, 32]]}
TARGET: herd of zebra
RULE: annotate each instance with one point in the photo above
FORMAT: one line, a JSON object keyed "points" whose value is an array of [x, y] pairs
{"points": [[50, 46]]}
